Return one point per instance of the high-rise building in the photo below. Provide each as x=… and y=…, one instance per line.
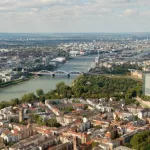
x=146, y=84
x=47, y=60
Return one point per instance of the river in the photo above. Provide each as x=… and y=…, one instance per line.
x=47, y=83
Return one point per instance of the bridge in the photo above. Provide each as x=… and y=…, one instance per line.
x=57, y=72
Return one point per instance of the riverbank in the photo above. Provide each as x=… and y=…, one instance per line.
x=14, y=82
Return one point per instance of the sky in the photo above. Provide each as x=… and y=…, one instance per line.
x=48, y=16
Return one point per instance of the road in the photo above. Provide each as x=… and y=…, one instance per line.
x=142, y=102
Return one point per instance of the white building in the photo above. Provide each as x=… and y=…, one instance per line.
x=60, y=59
x=144, y=114
x=74, y=53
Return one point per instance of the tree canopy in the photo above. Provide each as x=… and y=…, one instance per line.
x=39, y=92
x=28, y=97
x=117, y=69
x=49, y=122
x=102, y=86
x=87, y=86
x=141, y=141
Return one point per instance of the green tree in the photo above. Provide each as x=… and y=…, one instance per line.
x=95, y=144
x=4, y=104
x=62, y=89
x=28, y=97
x=127, y=144
x=141, y=140
x=103, y=86
x=98, y=127
x=14, y=102
x=147, y=147
x=39, y=92
x=117, y=118
x=42, y=98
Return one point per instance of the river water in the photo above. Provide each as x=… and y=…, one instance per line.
x=47, y=83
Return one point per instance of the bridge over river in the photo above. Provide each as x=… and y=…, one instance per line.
x=57, y=72
x=74, y=67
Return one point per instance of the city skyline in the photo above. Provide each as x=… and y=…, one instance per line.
x=70, y=16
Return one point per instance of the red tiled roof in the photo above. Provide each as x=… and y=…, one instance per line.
x=78, y=104
x=89, y=142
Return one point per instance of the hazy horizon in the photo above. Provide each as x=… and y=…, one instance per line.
x=148, y=32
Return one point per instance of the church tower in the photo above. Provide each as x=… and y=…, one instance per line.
x=21, y=115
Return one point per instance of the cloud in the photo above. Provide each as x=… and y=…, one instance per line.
x=71, y=15
x=129, y=12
